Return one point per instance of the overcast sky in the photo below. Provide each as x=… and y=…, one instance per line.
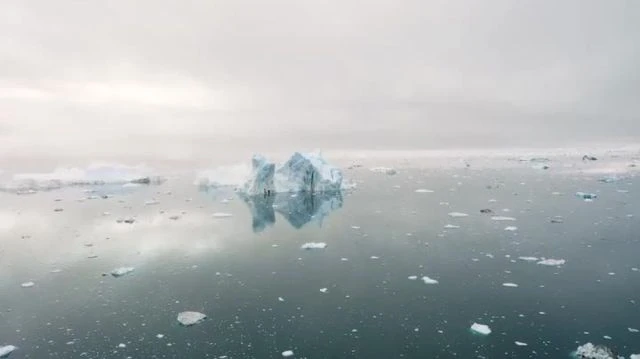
x=185, y=79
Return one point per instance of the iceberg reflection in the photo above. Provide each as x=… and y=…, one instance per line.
x=298, y=209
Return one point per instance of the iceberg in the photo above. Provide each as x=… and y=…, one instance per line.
x=190, y=318
x=301, y=173
x=590, y=351
x=6, y=350
x=480, y=329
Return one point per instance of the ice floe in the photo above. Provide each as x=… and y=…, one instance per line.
x=324, y=290
x=6, y=350
x=529, y=259
x=314, y=245
x=586, y=196
x=481, y=329
x=413, y=277
x=422, y=190
x=458, y=214
x=428, y=280
x=521, y=344
x=552, y=262
x=222, y=215
x=27, y=284
x=385, y=170
x=191, y=318
x=590, y=351
x=502, y=218
x=510, y=285
x=287, y=353
x=511, y=228
x=122, y=271
x=451, y=226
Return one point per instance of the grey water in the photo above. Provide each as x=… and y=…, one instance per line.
x=262, y=293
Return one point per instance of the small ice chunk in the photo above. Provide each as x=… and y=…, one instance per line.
x=375, y=257
x=422, y=190
x=314, y=245
x=152, y=202
x=385, y=170
x=122, y=345
x=632, y=330
x=458, y=214
x=191, y=318
x=451, y=226
x=355, y=227
x=122, y=271
x=552, y=262
x=590, y=351
x=511, y=228
x=428, y=280
x=280, y=299
x=521, y=344
x=480, y=329
x=6, y=350
x=634, y=356
x=510, y=285
x=159, y=336
x=222, y=215
x=27, y=284
x=413, y=277
x=324, y=290
x=635, y=269
x=586, y=196
x=502, y=218
x=287, y=353
x=529, y=259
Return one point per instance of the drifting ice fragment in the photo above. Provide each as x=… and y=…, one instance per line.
x=324, y=290
x=632, y=330
x=480, y=329
x=385, y=170
x=6, y=350
x=511, y=229
x=413, y=277
x=458, y=214
x=190, y=318
x=222, y=215
x=586, y=196
x=510, y=285
x=313, y=245
x=428, y=280
x=422, y=190
x=27, y=284
x=552, y=262
x=502, y=218
x=529, y=259
x=590, y=351
x=521, y=344
x=451, y=226
x=287, y=353
x=122, y=271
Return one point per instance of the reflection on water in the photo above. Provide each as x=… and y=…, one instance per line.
x=298, y=209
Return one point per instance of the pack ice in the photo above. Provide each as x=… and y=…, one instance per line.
x=301, y=173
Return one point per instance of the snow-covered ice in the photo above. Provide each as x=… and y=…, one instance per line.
x=458, y=214
x=590, y=351
x=481, y=329
x=428, y=280
x=122, y=271
x=552, y=262
x=502, y=218
x=287, y=353
x=314, y=245
x=190, y=318
x=222, y=215
x=6, y=350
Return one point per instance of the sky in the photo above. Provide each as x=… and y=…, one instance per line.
x=215, y=80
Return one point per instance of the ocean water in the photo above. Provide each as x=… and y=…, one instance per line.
x=261, y=292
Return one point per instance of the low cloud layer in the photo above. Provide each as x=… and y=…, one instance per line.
x=201, y=79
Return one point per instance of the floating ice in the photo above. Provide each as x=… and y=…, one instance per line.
x=6, y=350
x=521, y=344
x=511, y=228
x=122, y=271
x=634, y=356
x=529, y=259
x=190, y=318
x=314, y=245
x=451, y=226
x=324, y=290
x=27, y=284
x=222, y=215
x=422, y=190
x=510, y=285
x=552, y=262
x=428, y=280
x=590, y=351
x=502, y=218
x=386, y=170
x=413, y=277
x=586, y=196
x=458, y=214
x=480, y=329
x=287, y=353
x=301, y=173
